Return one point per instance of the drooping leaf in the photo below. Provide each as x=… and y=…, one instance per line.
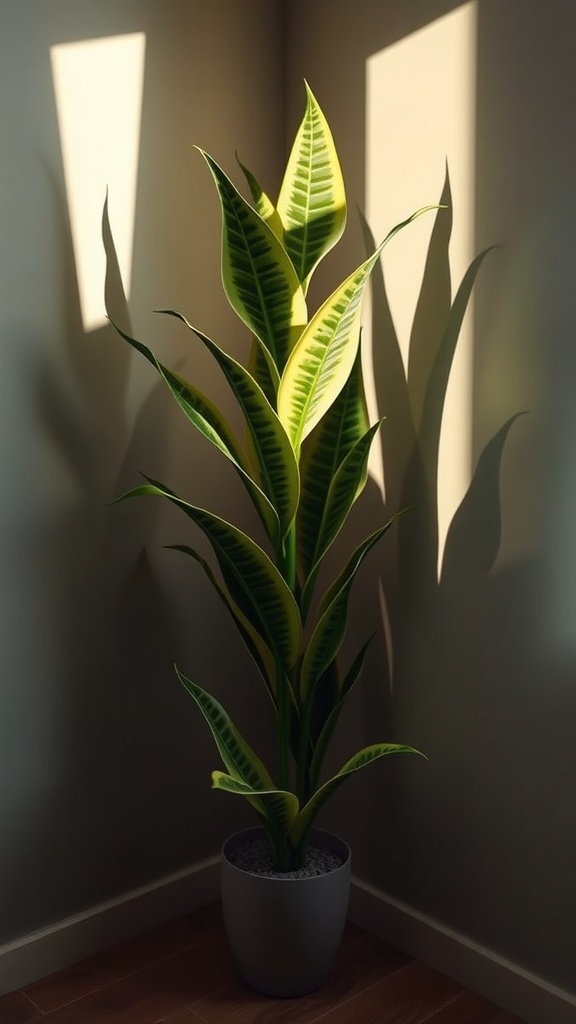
x=360, y=760
x=277, y=466
x=323, y=451
x=321, y=360
x=254, y=642
x=276, y=805
x=258, y=276
x=312, y=200
x=240, y=760
x=252, y=579
x=208, y=420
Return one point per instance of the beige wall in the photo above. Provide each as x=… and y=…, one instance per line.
x=105, y=778
x=105, y=764
x=483, y=838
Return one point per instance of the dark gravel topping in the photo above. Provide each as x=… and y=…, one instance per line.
x=255, y=857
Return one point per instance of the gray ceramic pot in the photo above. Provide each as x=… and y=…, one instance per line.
x=285, y=932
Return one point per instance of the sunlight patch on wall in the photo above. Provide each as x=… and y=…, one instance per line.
x=98, y=85
x=420, y=112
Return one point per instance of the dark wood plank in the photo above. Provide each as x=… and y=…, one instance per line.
x=183, y=973
x=506, y=1018
x=150, y=995
x=182, y=1017
x=15, y=1008
x=126, y=958
x=408, y=996
x=466, y=1009
x=360, y=963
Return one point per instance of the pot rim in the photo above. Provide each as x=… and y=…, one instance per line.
x=257, y=831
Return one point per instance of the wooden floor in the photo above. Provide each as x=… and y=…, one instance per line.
x=182, y=973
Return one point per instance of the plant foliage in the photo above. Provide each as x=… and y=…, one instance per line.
x=304, y=466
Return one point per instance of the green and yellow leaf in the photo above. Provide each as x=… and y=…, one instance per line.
x=263, y=204
x=360, y=760
x=253, y=581
x=277, y=807
x=345, y=422
x=240, y=760
x=258, y=276
x=342, y=493
x=327, y=731
x=209, y=421
x=327, y=637
x=253, y=641
x=312, y=200
x=322, y=359
x=277, y=466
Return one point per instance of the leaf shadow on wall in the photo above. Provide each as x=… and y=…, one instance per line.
x=104, y=818
x=434, y=622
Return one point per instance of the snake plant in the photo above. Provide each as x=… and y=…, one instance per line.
x=303, y=461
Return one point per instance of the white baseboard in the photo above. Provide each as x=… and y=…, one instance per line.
x=480, y=969
x=34, y=956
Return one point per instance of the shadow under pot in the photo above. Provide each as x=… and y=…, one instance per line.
x=285, y=932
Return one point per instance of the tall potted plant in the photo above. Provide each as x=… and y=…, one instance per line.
x=304, y=464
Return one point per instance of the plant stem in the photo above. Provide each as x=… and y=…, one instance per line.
x=288, y=569
x=302, y=769
x=283, y=726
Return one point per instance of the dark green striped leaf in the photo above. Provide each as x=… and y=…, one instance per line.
x=253, y=641
x=277, y=466
x=277, y=807
x=323, y=451
x=208, y=420
x=252, y=579
x=239, y=758
x=327, y=731
x=327, y=637
x=342, y=493
x=259, y=279
x=360, y=760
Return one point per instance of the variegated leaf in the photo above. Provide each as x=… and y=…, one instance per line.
x=331, y=721
x=332, y=613
x=360, y=760
x=277, y=466
x=342, y=493
x=208, y=420
x=312, y=200
x=252, y=579
x=253, y=641
x=320, y=362
x=263, y=204
x=278, y=807
x=259, y=279
x=239, y=758
x=323, y=451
